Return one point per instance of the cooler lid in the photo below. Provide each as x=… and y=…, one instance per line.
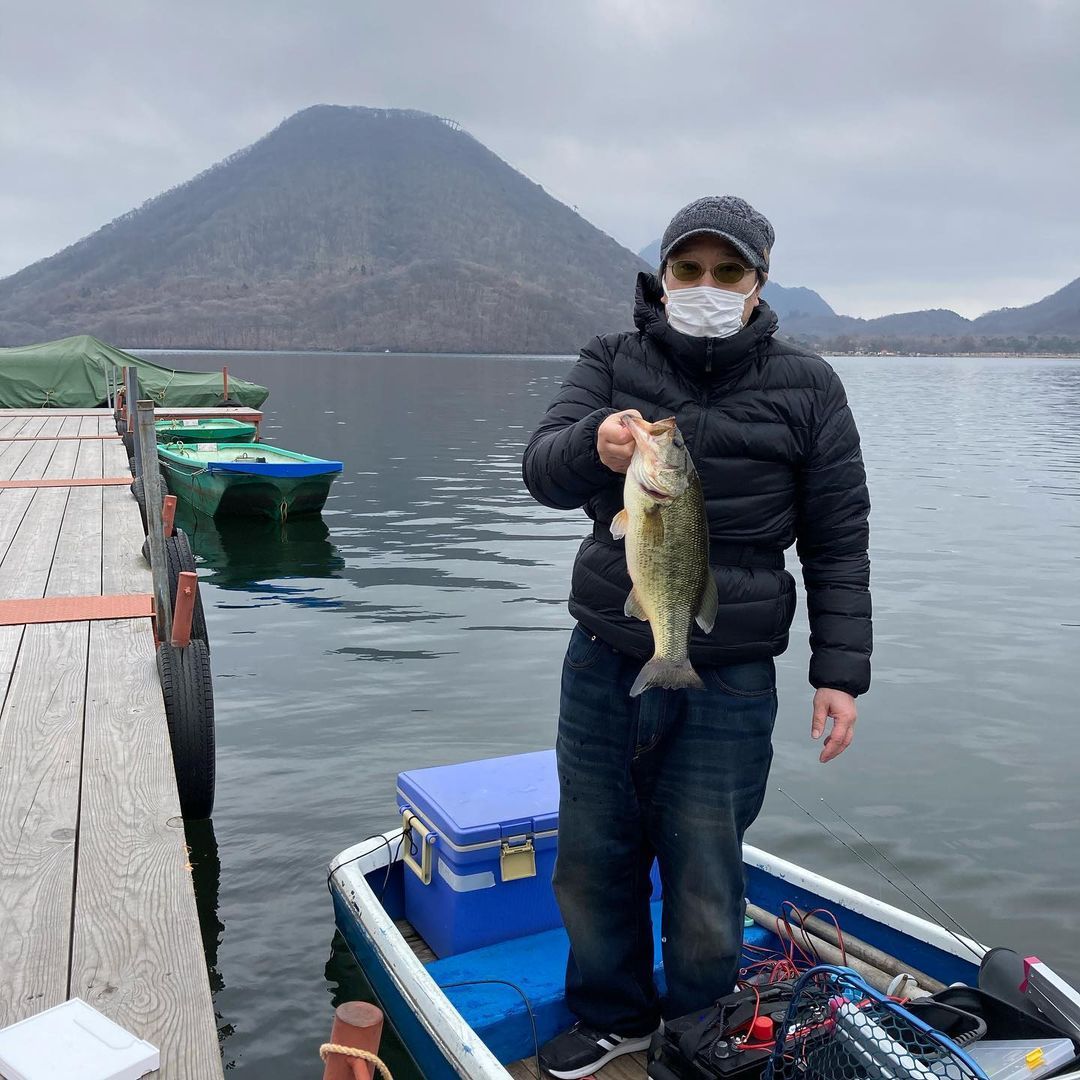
x=479, y=802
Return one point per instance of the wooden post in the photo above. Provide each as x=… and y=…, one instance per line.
x=224, y=384
x=357, y=1024
x=132, y=396
x=168, y=515
x=186, y=589
x=146, y=451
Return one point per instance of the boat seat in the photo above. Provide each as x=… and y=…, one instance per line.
x=537, y=964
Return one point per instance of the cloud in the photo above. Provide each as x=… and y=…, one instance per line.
x=916, y=155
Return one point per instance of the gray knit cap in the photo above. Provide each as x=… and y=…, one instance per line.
x=726, y=216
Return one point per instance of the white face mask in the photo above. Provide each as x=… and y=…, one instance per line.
x=704, y=311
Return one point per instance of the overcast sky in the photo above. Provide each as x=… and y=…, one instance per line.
x=910, y=155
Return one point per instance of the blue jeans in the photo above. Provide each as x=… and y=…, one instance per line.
x=673, y=774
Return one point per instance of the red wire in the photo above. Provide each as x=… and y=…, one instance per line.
x=836, y=923
x=757, y=1009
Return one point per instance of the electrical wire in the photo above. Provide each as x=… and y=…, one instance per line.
x=391, y=858
x=524, y=997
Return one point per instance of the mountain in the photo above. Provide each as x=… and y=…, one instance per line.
x=1058, y=313
x=796, y=302
x=344, y=228
x=938, y=322
x=651, y=254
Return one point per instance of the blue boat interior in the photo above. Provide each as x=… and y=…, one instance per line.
x=288, y=469
x=494, y=987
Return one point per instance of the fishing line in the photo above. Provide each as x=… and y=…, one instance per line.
x=881, y=855
x=884, y=877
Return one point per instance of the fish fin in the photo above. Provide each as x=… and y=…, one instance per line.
x=620, y=523
x=670, y=674
x=706, y=614
x=653, y=526
x=633, y=609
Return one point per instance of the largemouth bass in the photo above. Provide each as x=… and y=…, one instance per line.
x=667, y=551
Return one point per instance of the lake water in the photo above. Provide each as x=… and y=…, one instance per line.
x=423, y=621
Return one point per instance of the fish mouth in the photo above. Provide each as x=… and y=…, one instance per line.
x=644, y=432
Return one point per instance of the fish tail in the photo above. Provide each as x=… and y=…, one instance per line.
x=670, y=674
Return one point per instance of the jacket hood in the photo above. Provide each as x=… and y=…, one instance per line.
x=701, y=356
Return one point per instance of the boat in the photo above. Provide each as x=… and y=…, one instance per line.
x=246, y=479
x=482, y=1013
x=217, y=429
x=82, y=372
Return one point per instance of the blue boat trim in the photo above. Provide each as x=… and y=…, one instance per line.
x=288, y=470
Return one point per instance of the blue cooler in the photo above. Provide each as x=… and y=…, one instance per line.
x=479, y=850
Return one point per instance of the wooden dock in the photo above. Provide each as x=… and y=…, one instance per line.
x=96, y=898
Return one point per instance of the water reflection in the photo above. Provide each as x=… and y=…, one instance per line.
x=241, y=551
x=206, y=878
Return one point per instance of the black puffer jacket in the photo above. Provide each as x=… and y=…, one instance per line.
x=773, y=439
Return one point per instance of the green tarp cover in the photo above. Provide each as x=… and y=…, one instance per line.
x=71, y=374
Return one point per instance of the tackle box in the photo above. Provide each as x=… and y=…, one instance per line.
x=1006, y=1022
x=479, y=849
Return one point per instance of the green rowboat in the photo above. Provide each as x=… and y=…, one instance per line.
x=216, y=429
x=246, y=479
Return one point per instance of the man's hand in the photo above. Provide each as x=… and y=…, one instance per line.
x=841, y=707
x=614, y=443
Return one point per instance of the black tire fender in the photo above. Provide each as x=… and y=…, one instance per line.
x=178, y=557
x=140, y=498
x=188, y=691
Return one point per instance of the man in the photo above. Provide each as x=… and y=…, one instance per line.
x=680, y=774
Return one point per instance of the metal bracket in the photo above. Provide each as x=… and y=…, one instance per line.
x=421, y=869
x=517, y=861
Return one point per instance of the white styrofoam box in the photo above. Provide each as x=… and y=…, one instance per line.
x=73, y=1040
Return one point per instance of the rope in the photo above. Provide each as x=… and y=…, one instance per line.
x=351, y=1051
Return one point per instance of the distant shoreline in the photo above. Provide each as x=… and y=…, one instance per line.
x=137, y=350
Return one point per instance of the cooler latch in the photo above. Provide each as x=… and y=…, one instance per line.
x=517, y=858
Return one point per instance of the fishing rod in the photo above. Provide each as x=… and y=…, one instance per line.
x=881, y=855
x=884, y=877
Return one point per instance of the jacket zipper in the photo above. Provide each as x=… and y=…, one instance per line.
x=705, y=395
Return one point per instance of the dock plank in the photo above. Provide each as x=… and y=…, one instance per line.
x=137, y=953
x=76, y=567
x=40, y=751
x=13, y=453
x=115, y=461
